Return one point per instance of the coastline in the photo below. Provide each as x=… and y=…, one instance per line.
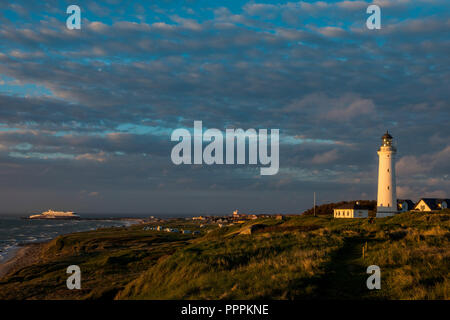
x=25, y=255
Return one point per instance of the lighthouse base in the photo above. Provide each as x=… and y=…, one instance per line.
x=383, y=212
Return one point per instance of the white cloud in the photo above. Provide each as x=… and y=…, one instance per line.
x=326, y=157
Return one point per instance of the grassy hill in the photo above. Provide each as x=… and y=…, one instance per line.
x=302, y=257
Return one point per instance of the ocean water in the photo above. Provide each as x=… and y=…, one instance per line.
x=15, y=231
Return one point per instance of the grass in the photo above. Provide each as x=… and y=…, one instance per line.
x=243, y=267
x=415, y=260
x=303, y=257
x=108, y=259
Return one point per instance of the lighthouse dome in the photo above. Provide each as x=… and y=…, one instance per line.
x=386, y=136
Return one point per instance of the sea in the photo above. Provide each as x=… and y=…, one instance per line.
x=15, y=231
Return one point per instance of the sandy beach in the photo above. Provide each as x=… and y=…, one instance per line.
x=25, y=256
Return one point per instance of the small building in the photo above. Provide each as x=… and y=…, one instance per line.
x=404, y=205
x=186, y=231
x=351, y=210
x=432, y=204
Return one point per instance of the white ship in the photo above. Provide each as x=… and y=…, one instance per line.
x=50, y=214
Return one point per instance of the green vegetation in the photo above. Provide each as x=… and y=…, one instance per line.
x=302, y=257
x=327, y=208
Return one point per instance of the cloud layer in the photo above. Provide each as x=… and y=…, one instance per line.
x=86, y=115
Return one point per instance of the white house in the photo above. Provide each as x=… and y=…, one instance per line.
x=351, y=210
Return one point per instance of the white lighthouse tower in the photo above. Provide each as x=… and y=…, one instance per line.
x=387, y=197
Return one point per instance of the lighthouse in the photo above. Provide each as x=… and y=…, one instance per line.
x=387, y=197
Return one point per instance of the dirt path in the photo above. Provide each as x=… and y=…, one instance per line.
x=345, y=276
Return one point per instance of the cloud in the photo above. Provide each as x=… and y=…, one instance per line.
x=416, y=165
x=98, y=26
x=346, y=107
x=326, y=157
x=332, y=31
x=99, y=157
x=353, y=5
x=355, y=109
x=409, y=165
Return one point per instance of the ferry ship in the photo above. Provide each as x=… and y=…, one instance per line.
x=50, y=214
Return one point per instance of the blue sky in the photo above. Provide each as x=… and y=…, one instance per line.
x=86, y=115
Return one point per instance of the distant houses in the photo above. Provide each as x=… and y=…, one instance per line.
x=225, y=221
x=172, y=230
x=237, y=215
x=208, y=221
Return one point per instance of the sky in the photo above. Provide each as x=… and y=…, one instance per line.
x=86, y=115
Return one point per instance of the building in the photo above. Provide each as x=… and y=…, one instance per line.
x=432, y=204
x=351, y=210
x=387, y=198
x=405, y=205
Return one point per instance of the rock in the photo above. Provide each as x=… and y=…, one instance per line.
x=251, y=229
